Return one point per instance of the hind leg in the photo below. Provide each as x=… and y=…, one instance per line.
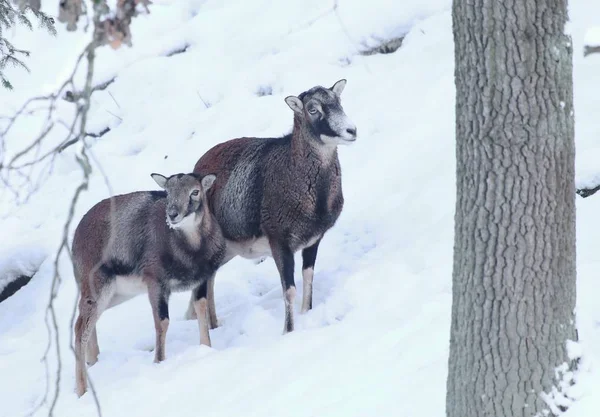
x=93, y=350
x=84, y=327
x=213, y=322
x=92, y=303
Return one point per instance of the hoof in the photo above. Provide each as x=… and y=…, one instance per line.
x=80, y=391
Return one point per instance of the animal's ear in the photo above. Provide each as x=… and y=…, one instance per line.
x=208, y=181
x=339, y=87
x=295, y=104
x=161, y=180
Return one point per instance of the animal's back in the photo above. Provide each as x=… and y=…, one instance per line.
x=236, y=198
x=125, y=215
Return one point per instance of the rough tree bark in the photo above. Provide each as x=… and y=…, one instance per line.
x=514, y=249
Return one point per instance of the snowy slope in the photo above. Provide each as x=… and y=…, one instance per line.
x=377, y=338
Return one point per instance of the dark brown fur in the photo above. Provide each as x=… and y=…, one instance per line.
x=124, y=245
x=287, y=190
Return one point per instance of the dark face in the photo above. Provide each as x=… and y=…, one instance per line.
x=322, y=109
x=185, y=195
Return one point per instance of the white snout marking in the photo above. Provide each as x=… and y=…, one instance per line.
x=340, y=124
x=337, y=140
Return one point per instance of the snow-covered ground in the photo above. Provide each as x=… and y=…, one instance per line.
x=377, y=339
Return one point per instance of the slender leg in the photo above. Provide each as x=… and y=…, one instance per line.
x=159, y=300
x=284, y=259
x=88, y=316
x=212, y=309
x=190, y=313
x=93, y=350
x=201, y=307
x=309, y=256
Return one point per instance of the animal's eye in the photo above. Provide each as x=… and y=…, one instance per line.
x=195, y=192
x=312, y=110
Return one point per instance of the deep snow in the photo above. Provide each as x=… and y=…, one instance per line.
x=377, y=339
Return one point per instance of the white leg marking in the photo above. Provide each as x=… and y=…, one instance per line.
x=161, y=336
x=92, y=349
x=307, y=286
x=289, y=296
x=201, y=307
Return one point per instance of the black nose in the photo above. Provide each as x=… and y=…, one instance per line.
x=172, y=214
x=352, y=131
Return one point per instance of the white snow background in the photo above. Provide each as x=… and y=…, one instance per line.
x=376, y=341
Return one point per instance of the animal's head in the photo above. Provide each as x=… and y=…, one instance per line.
x=322, y=111
x=186, y=196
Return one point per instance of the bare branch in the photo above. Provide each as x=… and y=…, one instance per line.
x=588, y=50
x=72, y=97
x=586, y=192
x=41, y=152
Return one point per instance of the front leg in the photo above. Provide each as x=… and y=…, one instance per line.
x=309, y=256
x=190, y=314
x=284, y=259
x=159, y=300
x=201, y=308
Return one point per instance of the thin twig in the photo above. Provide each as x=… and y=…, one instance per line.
x=32, y=150
x=114, y=115
x=79, y=125
x=41, y=153
x=206, y=105
x=113, y=97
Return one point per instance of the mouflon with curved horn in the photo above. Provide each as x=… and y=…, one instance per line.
x=276, y=196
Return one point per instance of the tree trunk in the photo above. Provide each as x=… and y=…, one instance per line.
x=514, y=249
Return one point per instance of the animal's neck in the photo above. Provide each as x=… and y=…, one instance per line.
x=192, y=228
x=306, y=146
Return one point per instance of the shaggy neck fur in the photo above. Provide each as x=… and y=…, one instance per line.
x=305, y=144
x=195, y=227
